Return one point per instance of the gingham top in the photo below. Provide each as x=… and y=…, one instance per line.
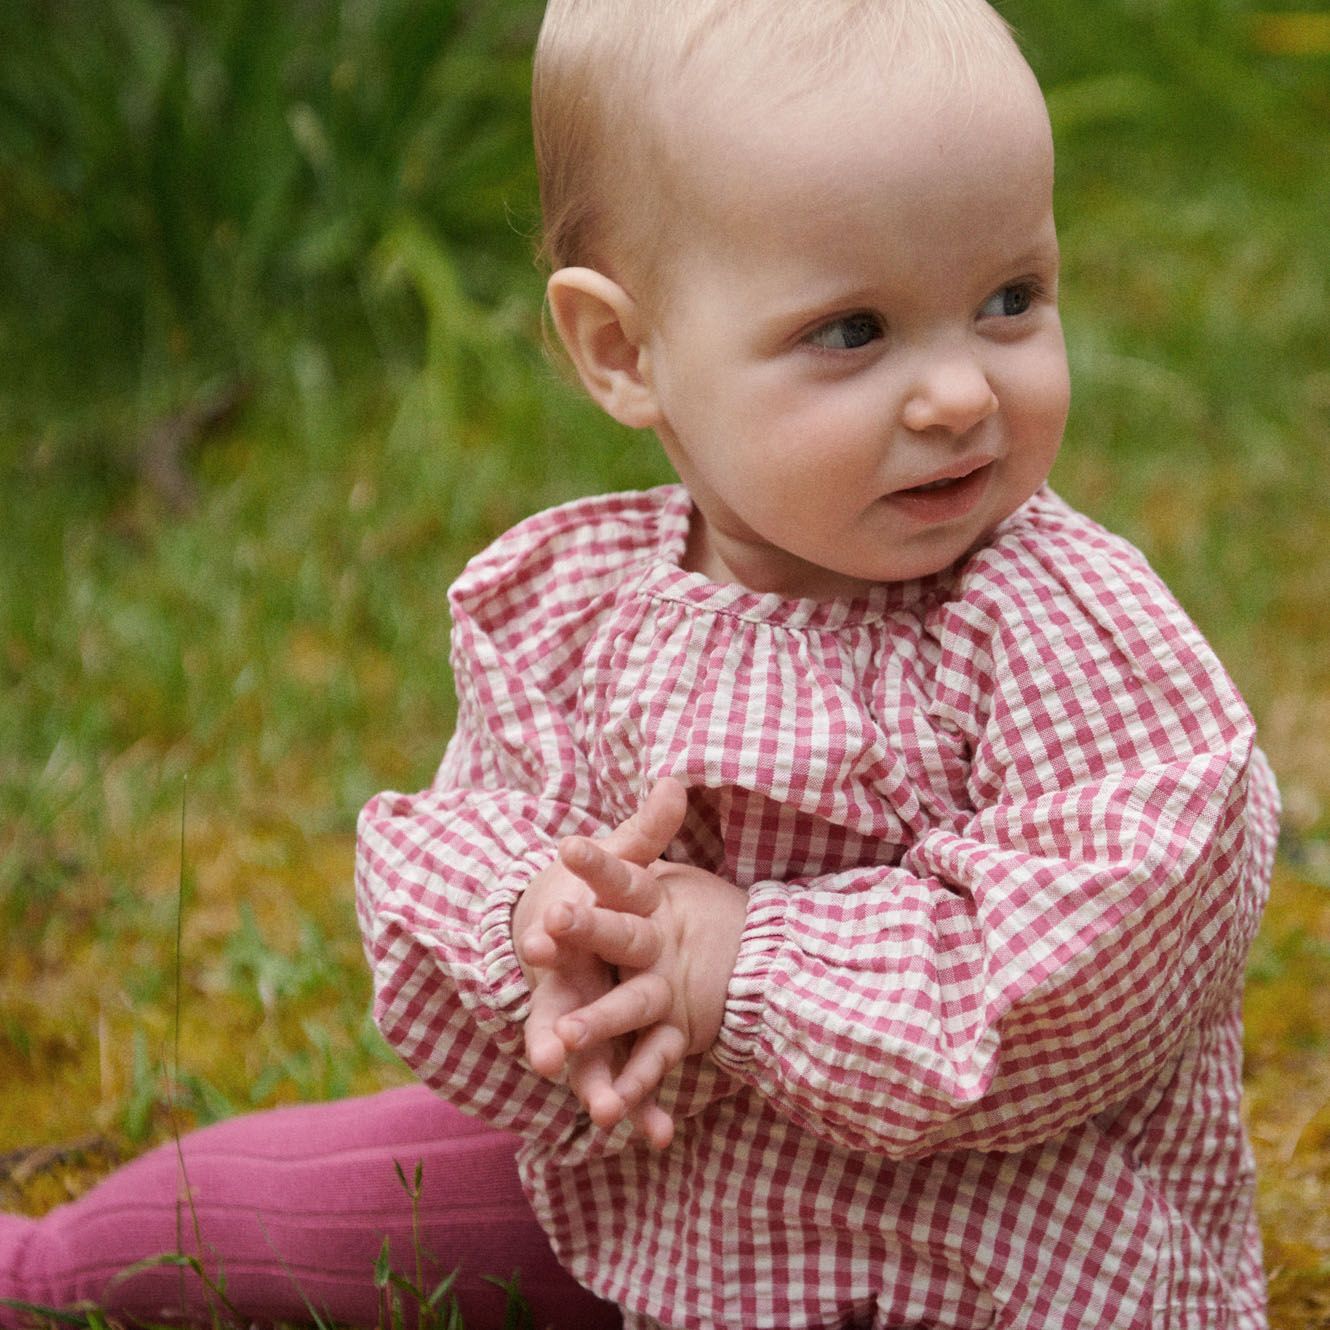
x=1006, y=838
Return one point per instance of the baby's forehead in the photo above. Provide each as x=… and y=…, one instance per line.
x=734, y=70
x=740, y=95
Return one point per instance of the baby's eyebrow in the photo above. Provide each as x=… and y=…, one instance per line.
x=1043, y=253
x=817, y=307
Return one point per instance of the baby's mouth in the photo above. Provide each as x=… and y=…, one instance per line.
x=932, y=485
x=946, y=498
x=961, y=476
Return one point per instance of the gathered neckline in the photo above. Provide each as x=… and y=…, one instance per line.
x=665, y=578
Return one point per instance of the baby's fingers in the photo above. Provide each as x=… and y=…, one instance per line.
x=654, y=1124
x=558, y=994
x=618, y=884
x=545, y=1050
x=632, y=1005
x=654, y=1056
x=538, y=949
x=591, y=1079
x=647, y=834
x=617, y=939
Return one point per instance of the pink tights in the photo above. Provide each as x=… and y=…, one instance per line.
x=293, y=1206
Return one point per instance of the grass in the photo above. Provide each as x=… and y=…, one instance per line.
x=323, y=216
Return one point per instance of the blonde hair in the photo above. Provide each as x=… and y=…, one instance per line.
x=602, y=68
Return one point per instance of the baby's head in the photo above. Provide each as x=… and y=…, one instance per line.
x=810, y=243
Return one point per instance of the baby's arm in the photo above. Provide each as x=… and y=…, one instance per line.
x=440, y=875
x=984, y=994
x=1053, y=948
x=437, y=876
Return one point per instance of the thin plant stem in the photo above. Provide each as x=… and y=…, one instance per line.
x=215, y=1288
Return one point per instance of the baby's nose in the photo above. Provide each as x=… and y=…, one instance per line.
x=950, y=393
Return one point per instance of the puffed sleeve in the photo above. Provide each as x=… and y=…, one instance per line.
x=1053, y=946
x=438, y=873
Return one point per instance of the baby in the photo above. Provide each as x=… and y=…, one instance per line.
x=841, y=875
x=842, y=872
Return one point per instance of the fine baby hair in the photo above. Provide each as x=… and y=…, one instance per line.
x=605, y=72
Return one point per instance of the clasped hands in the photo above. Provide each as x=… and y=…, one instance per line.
x=629, y=958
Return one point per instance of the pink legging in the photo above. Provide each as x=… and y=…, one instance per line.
x=292, y=1207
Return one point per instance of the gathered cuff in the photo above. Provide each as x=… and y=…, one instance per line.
x=755, y=971
x=507, y=993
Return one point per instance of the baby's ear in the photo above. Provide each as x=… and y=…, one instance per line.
x=600, y=327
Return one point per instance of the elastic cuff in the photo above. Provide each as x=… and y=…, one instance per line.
x=754, y=972
x=506, y=987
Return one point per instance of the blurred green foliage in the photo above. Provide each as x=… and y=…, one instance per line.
x=191, y=191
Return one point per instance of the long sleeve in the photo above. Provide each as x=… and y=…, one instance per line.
x=1049, y=949
x=435, y=891
x=438, y=873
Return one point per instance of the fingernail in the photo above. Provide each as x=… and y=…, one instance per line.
x=578, y=1032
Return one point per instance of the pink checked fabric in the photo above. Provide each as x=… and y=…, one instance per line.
x=1006, y=839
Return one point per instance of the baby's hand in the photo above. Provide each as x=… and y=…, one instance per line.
x=565, y=976
x=674, y=931
x=559, y=979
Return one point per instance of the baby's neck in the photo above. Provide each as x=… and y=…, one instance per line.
x=741, y=559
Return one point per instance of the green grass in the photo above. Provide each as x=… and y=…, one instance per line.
x=327, y=207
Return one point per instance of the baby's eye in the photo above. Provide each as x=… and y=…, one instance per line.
x=1010, y=302
x=846, y=334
